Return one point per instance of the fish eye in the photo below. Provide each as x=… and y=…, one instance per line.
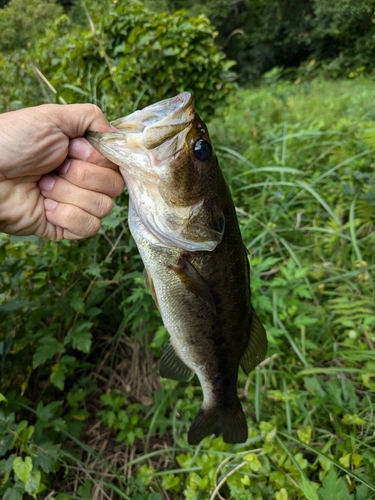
x=202, y=150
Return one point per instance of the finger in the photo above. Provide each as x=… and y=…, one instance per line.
x=75, y=119
x=89, y=176
x=63, y=191
x=57, y=233
x=72, y=219
x=81, y=149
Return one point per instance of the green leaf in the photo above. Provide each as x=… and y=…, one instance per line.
x=282, y=494
x=14, y=305
x=80, y=337
x=23, y=468
x=305, y=434
x=57, y=376
x=302, y=320
x=3, y=398
x=49, y=411
x=334, y=487
x=253, y=461
x=48, y=457
x=6, y=442
x=12, y=494
x=33, y=483
x=78, y=304
x=353, y=420
x=362, y=492
x=82, y=341
x=308, y=489
x=49, y=346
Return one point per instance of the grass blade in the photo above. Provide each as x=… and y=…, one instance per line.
x=349, y=472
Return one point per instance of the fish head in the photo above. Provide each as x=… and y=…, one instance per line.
x=171, y=171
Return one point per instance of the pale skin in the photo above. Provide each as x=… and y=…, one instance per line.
x=53, y=183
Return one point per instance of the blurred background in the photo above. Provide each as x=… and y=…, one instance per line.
x=287, y=90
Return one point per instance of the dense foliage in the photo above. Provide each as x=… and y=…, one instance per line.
x=83, y=412
x=122, y=57
x=21, y=22
x=303, y=37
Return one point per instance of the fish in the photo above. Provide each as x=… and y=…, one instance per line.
x=183, y=220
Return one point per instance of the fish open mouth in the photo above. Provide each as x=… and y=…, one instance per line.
x=148, y=136
x=159, y=122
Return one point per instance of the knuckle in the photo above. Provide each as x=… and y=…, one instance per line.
x=118, y=185
x=115, y=184
x=94, y=109
x=71, y=215
x=105, y=205
x=80, y=222
x=92, y=227
x=81, y=174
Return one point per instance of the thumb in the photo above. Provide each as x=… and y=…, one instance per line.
x=74, y=120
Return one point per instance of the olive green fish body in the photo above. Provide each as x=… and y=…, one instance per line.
x=183, y=220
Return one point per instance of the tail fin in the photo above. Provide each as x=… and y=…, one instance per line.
x=232, y=425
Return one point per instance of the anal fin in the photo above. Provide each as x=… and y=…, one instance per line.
x=194, y=282
x=256, y=349
x=171, y=366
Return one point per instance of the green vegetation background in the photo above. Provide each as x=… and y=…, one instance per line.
x=83, y=412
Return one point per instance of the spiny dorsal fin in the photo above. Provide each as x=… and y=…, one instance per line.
x=194, y=282
x=149, y=284
x=171, y=366
x=256, y=349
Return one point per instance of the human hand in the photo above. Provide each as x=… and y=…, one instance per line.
x=53, y=183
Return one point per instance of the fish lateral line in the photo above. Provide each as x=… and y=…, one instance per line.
x=193, y=281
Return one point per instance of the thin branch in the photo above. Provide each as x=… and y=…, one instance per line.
x=48, y=83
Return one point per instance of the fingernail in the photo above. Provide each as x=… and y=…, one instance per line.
x=79, y=148
x=114, y=128
x=50, y=205
x=64, y=167
x=46, y=183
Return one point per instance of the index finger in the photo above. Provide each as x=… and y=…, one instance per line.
x=81, y=149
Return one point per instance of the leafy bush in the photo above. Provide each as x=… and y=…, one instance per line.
x=320, y=38
x=124, y=58
x=22, y=23
x=132, y=57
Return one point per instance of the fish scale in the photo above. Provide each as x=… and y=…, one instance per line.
x=183, y=220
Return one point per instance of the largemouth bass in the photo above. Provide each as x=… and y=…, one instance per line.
x=184, y=223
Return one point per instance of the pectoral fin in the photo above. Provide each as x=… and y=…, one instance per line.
x=257, y=347
x=149, y=284
x=171, y=366
x=194, y=282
